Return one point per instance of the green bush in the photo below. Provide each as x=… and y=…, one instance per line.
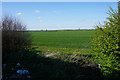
x=106, y=45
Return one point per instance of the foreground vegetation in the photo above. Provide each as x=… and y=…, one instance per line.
x=60, y=66
x=107, y=45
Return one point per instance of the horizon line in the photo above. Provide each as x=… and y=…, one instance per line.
x=55, y=29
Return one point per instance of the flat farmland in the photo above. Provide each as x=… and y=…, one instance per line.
x=77, y=41
x=64, y=39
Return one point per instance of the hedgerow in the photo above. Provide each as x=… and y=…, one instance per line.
x=106, y=45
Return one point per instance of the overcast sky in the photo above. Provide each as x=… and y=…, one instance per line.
x=59, y=15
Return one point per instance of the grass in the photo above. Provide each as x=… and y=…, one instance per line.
x=64, y=39
x=63, y=42
x=47, y=50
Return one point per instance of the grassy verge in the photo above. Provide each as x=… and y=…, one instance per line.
x=46, y=49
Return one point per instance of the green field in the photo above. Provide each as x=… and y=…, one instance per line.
x=63, y=41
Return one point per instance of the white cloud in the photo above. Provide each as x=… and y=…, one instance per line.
x=39, y=17
x=37, y=11
x=54, y=11
x=19, y=13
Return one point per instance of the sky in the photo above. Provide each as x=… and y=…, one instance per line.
x=58, y=15
x=60, y=0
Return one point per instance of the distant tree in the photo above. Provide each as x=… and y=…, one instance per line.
x=106, y=45
x=14, y=37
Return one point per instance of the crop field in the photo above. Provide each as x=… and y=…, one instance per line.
x=63, y=41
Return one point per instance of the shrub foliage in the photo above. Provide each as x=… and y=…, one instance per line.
x=107, y=45
x=14, y=37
